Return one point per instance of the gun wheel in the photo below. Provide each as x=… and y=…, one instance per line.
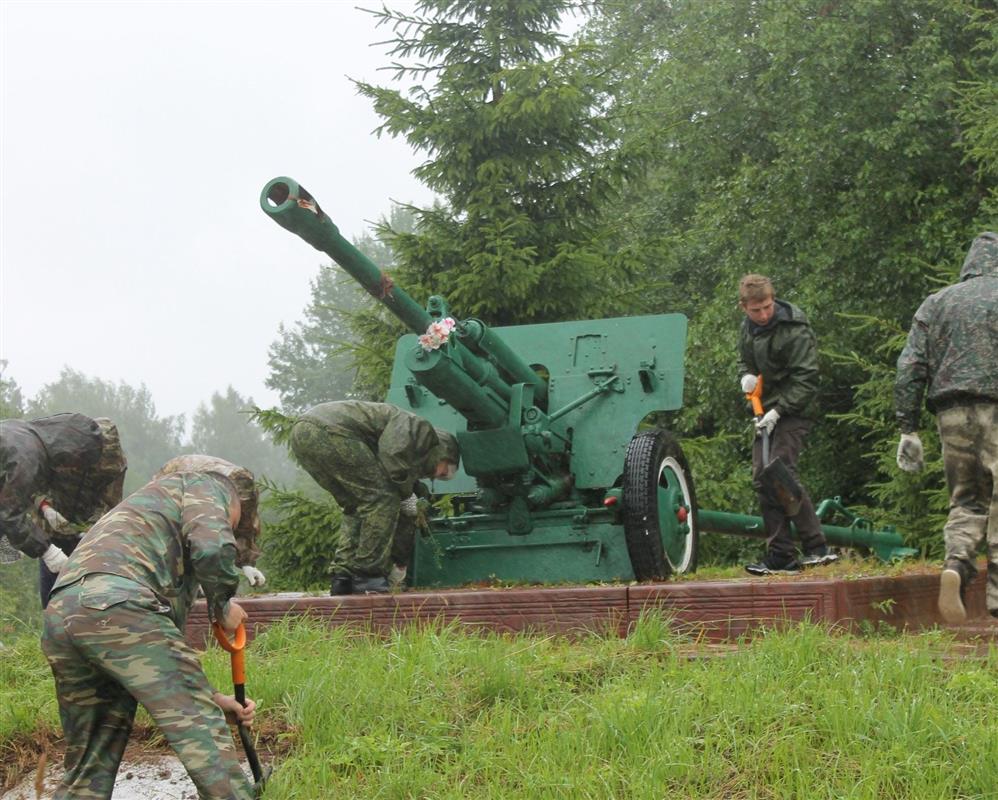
x=660, y=519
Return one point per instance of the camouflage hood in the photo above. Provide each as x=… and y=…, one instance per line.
x=248, y=529
x=86, y=462
x=71, y=441
x=448, y=447
x=982, y=258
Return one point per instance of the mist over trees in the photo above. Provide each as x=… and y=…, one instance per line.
x=220, y=427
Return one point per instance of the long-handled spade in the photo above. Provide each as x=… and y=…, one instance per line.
x=775, y=477
x=236, y=648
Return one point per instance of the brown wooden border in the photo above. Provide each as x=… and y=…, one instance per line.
x=715, y=611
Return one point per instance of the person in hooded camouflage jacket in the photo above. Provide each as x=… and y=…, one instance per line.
x=776, y=345
x=58, y=475
x=369, y=457
x=951, y=360
x=114, y=633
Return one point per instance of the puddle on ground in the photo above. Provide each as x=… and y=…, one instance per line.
x=151, y=778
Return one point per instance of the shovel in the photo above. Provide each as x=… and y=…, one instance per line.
x=236, y=648
x=775, y=478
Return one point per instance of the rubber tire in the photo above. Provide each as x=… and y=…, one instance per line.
x=647, y=454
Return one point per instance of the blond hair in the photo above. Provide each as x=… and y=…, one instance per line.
x=754, y=287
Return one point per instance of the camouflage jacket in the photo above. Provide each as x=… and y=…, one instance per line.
x=47, y=455
x=786, y=355
x=951, y=356
x=172, y=535
x=406, y=445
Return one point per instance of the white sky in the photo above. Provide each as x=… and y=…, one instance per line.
x=136, y=137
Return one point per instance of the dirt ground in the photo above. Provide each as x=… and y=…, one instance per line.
x=150, y=778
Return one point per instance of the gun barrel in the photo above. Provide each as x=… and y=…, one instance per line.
x=289, y=204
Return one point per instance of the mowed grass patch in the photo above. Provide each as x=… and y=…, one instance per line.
x=438, y=712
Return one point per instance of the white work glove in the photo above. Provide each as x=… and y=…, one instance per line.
x=409, y=505
x=254, y=576
x=910, y=453
x=749, y=382
x=768, y=421
x=396, y=577
x=54, y=559
x=56, y=521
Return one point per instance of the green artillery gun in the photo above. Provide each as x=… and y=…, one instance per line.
x=557, y=482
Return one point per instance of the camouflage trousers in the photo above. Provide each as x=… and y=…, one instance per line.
x=111, y=644
x=969, y=436
x=373, y=533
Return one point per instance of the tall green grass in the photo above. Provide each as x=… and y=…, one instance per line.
x=437, y=712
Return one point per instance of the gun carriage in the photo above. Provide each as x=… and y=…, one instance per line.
x=558, y=483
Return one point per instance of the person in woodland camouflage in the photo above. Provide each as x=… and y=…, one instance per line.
x=776, y=342
x=58, y=475
x=369, y=457
x=114, y=627
x=951, y=360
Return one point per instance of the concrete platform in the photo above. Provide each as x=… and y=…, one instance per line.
x=714, y=611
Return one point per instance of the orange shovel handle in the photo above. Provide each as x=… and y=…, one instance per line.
x=755, y=397
x=236, y=647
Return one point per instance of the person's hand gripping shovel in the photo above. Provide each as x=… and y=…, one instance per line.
x=775, y=478
x=236, y=648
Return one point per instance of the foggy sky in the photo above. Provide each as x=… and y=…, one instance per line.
x=136, y=137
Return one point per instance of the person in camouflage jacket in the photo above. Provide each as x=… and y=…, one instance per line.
x=369, y=457
x=777, y=345
x=58, y=475
x=951, y=360
x=114, y=636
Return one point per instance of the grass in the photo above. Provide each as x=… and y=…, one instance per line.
x=437, y=712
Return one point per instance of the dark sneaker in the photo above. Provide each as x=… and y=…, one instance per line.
x=951, y=597
x=342, y=584
x=817, y=557
x=774, y=566
x=370, y=586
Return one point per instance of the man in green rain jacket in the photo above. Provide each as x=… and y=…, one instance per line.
x=777, y=345
x=369, y=457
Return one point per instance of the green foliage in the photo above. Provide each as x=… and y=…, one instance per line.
x=149, y=441
x=509, y=117
x=11, y=399
x=225, y=428
x=978, y=105
x=297, y=547
x=917, y=504
x=276, y=423
x=20, y=608
x=821, y=144
x=434, y=711
x=325, y=357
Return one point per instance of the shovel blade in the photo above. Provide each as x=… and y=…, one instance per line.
x=780, y=484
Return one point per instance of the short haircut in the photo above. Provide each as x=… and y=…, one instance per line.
x=754, y=287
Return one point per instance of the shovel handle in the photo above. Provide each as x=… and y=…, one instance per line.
x=236, y=648
x=755, y=397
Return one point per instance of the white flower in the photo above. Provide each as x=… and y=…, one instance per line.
x=437, y=334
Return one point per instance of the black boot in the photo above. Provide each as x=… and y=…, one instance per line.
x=342, y=584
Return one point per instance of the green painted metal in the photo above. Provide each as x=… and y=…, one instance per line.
x=544, y=415
x=569, y=544
x=886, y=543
x=294, y=209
